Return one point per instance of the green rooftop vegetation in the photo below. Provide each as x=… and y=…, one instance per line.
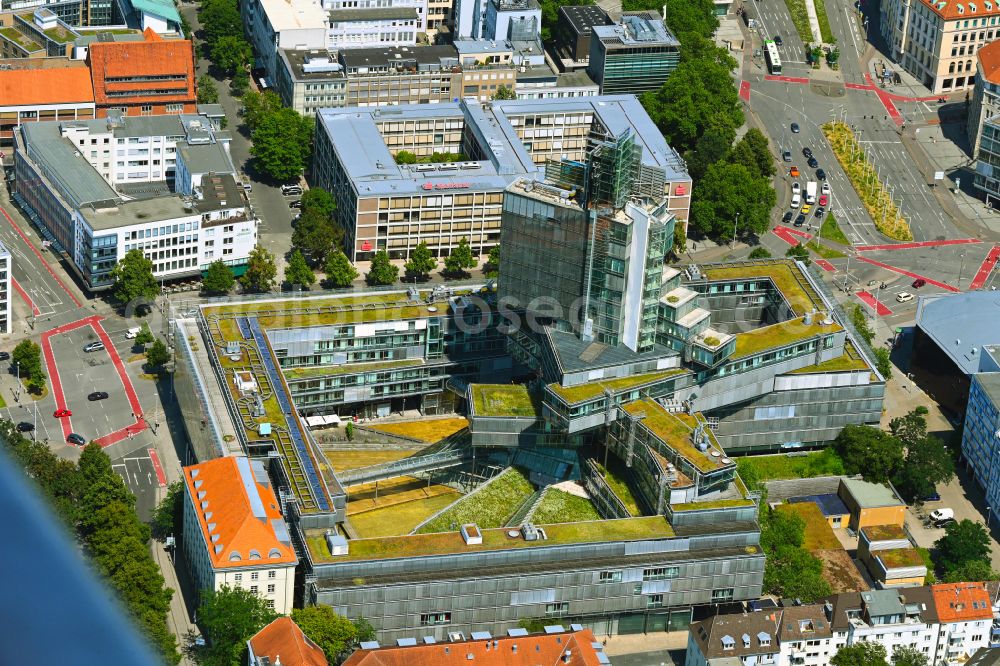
x=774, y=336
x=713, y=504
x=884, y=532
x=849, y=360
x=312, y=371
x=818, y=534
x=509, y=400
x=424, y=430
x=490, y=507
x=899, y=557
x=791, y=466
x=674, y=430
x=597, y=531
x=594, y=390
x=558, y=506
x=783, y=274
x=614, y=476
x=59, y=34
x=22, y=40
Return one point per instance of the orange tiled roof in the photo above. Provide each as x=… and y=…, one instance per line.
x=283, y=638
x=950, y=10
x=961, y=602
x=150, y=58
x=224, y=492
x=989, y=62
x=33, y=87
x=533, y=650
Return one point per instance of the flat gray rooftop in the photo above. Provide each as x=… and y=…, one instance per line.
x=394, y=55
x=636, y=29
x=582, y=18
x=990, y=382
x=374, y=14
x=140, y=211
x=63, y=166
x=205, y=157
x=961, y=324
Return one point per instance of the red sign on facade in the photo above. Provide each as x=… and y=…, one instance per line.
x=445, y=186
x=366, y=246
x=681, y=190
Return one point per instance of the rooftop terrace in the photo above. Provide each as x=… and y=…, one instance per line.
x=849, y=360
x=675, y=430
x=592, y=390
x=786, y=333
x=598, y=531
x=509, y=400
x=784, y=274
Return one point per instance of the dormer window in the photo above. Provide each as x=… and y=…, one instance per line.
x=746, y=640
x=728, y=643
x=764, y=639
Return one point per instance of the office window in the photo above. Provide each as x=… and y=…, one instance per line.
x=430, y=619
x=253, y=588
x=660, y=573
x=611, y=576
x=654, y=601
x=724, y=594
x=253, y=575
x=272, y=573
x=557, y=609
x=270, y=588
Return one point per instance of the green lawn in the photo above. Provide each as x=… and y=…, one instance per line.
x=614, y=476
x=782, y=273
x=815, y=463
x=800, y=18
x=831, y=230
x=824, y=22
x=490, y=508
x=512, y=400
x=818, y=533
x=561, y=507
x=824, y=251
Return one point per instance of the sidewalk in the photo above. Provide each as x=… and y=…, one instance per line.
x=178, y=619
x=814, y=22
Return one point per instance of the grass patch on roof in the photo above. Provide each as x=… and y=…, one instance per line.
x=558, y=506
x=884, y=532
x=900, y=557
x=59, y=34
x=308, y=372
x=818, y=533
x=342, y=460
x=425, y=430
x=511, y=400
x=614, y=476
x=491, y=507
x=783, y=274
x=400, y=518
x=675, y=431
x=593, y=390
x=774, y=336
x=796, y=466
x=714, y=504
x=597, y=531
x=19, y=38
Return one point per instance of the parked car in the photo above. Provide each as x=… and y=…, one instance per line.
x=4, y=356
x=795, y=128
x=93, y=346
x=24, y=426
x=787, y=217
x=806, y=209
x=74, y=438
x=821, y=174
x=820, y=211
x=62, y=413
x=941, y=514
x=823, y=200
x=794, y=171
x=288, y=189
x=295, y=204
x=813, y=163
x=796, y=188
x=800, y=220
x=97, y=395
x=825, y=190
x=931, y=497
x=904, y=297
x=918, y=283
x=807, y=152
x=786, y=155
x=944, y=523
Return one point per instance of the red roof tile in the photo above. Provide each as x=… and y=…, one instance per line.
x=154, y=57
x=533, y=650
x=34, y=87
x=989, y=62
x=961, y=602
x=283, y=638
x=952, y=10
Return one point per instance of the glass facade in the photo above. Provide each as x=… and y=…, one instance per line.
x=637, y=69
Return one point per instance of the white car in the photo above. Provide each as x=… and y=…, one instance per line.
x=942, y=514
x=796, y=188
x=904, y=297
x=826, y=188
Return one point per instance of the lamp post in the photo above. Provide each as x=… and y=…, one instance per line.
x=17, y=390
x=735, y=224
x=988, y=510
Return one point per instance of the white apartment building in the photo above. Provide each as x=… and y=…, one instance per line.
x=163, y=184
x=374, y=23
x=234, y=533
x=279, y=24
x=5, y=285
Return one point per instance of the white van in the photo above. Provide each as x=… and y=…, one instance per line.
x=132, y=333
x=942, y=514
x=796, y=200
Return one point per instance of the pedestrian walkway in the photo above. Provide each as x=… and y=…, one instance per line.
x=623, y=644
x=814, y=22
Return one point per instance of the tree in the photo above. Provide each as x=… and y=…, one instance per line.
x=728, y=190
x=860, y=322
x=335, y=634
x=319, y=200
x=907, y=655
x=382, y=271
x=133, y=281
x=928, y=462
x=316, y=235
x=759, y=253
x=27, y=356
x=208, y=92
x=712, y=146
x=219, y=278
x=144, y=337
x=168, y=516
x=231, y=53
x=963, y=542
x=505, y=92
x=339, y=270
x=790, y=570
x=229, y=617
x=220, y=18
x=256, y=105
x=298, y=271
x=883, y=362
x=910, y=428
x=406, y=157
x=753, y=152
x=240, y=83
x=869, y=451
x=680, y=239
x=282, y=143
x=972, y=572
x=460, y=258
x=862, y=653
x=157, y=354
x=261, y=271
x=421, y=261
x=799, y=253
x=493, y=262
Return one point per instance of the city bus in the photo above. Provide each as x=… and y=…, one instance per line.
x=772, y=57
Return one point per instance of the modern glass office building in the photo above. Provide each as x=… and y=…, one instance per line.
x=635, y=55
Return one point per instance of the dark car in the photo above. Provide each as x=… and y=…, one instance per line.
x=97, y=395
x=807, y=152
x=24, y=426
x=918, y=283
x=945, y=522
x=931, y=497
x=295, y=204
x=74, y=438
x=795, y=128
x=777, y=40
x=813, y=163
x=787, y=217
x=819, y=211
x=786, y=155
x=4, y=356
x=821, y=174
x=800, y=220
